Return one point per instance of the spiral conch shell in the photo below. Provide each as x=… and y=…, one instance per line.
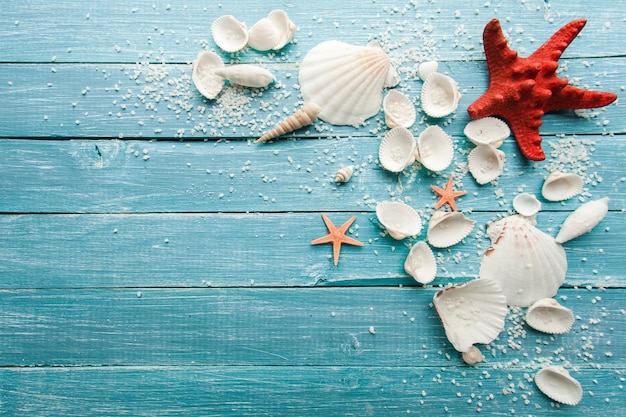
x=344, y=174
x=303, y=117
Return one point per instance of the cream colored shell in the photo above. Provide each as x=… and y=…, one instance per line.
x=271, y=32
x=485, y=163
x=526, y=204
x=583, y=219
x=548, y=316
x=487, y=131
x=397, y=150
x=559, y=385
x=473, y=356
x=435, y=149
x=398, y=109
x=420, y=263
x=447, y=228
x=440, y=95
x=426, y=68
x=229, y=34
x=344, y=174
x=399, y=219
x=246, y=75
x=305, y=116
x=203, y=74
x=560, y=186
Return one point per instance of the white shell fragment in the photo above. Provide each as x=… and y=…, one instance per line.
x=583, y=219
x=303, y=117
x=344, y=174
x=399, y=219
x=397, y=150
x=472, y=312
x=420, y=263
x=440, y=95
x=398, y=109
x=548, y=316
x=427, y=68
x=473, y=356
x=526, y=204
x=246, y=75
x=487, y=131
x=486, y=163
x=559, y=385
x=560, y=186
x=271, y=32
x=346, y=81
x=435, y=149
x=447, y=228
x=229, y=34
x=203, y=76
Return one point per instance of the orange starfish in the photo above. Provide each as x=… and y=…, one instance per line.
x=337, y=236
x=447, y=195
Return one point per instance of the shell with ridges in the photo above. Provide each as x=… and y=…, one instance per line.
x=487, y=131
x=398, y=109
x=246, y=75
x=548, y=316
x=420, y=263
x=560, y=186
x=303, y=117
x=447, y=228
x=526, y=204
x=485, y=163
x=559, y=385
x=399, y=219
x=229, y=34
x=583, y=219
x=397, y=149
x=344, y=174
x=271, y=32
x=203, y=75
x=440, y=95
x=434, y=148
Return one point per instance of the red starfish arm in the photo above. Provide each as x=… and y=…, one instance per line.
x=528, y=139
x=553, y=48
x=571, y=97
x=497, y=51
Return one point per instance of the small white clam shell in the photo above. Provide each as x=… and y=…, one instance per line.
x=526, y=204
x=487, y=131
x=398, y=109
x=272, y=32
x=548, y=316
x=434, y=149
x=246, y=75
x=559, y=385
x=420, y=263
x=473, y=356
x=397, y=149
x=344, y=174
x=560, y=186
x=486, y=163
x=440, y=95
x=447, y=228
x=229, y=34
x=203, y=76
x=427, y=68
x=583, y=219
x=399, y=219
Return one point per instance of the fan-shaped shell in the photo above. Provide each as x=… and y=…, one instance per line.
x=526, y=204
x=487, y=131
x=246, y=75
x=271, y=32
x=440, y=95
x=203, y=75
x=229, y=34
x=420, y=263
x=548, y=316
x=434, y=148
x=559, y=385
x=397, y=149
x=560, y=186
x=486, y=163
x=472, y=312
x=344, y=174
x=583, y=219
x=447, y=228
x=399, y=219
x=398, y=109
x=346, y=81
x=527, y=263
x=426, y=68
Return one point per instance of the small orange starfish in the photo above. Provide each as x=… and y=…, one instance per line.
x=337, y=236
x=447, y=195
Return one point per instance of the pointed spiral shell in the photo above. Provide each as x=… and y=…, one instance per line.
x=303, y=117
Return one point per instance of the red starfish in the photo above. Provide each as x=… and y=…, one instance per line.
x=447, y=195
x=337, y=236
x=522, y=90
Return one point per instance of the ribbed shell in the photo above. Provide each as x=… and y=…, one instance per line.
x=397, y=149
x=399, y=219
x=440, y=95
x=229, y=34
x=203, y=76
x=560, y=186
x=583, y=219
x=485, y=163
x=487, y=131
x=435, y=149
x=344, y=174
x=526, y=204
x=272, y=32
x=399, y=111
x=559, y=385
x=548, y=316
x=447, y=228
x=420, y=263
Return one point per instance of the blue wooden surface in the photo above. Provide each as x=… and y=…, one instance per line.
x=154, y=261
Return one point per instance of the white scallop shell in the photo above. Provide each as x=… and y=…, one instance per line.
x=473, y=356
x=559, y=385
x=526, y=204
x=229, y=34
x=246, y=75
x=440, y=95
x=203, y=76
x=487, y=131
x=346, y=81
x=583, y=219
x=399, y=219
x=472, y=312
x=271, y=32
x=427, y=68
x=548, y=316
x=305, y=116
x=485, y=163
x=398, y=109
x=397, y=149
x=447, y=228
x=420, y=263
x=344, y=174
x=434, y=148
x=560, y=186
x=527, y=263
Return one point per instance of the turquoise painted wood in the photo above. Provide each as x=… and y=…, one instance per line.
x=154, y=261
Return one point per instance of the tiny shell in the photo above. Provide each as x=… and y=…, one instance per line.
x=434, y=148
x=560, y=186
x=559, y=385
x=344, y=174
x=447, y=228
x=303, y=117
x=398, y=109
x=229, y=34
x=526, y=204
x=473, y=356
x=486, y=163
x=420, y=263
x=399, y=219
x=272, y=32
x=487, y=131
x=246, y=75
x=203, y=76
x=427, y=68
x=548, y=316
x=583, y=219
x=397, y=149
x=440, y=95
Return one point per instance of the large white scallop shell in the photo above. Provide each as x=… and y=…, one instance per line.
x=346, y=81
x=397, y=149
x=485, y=163
x=560, y=186
x=398, y=109
x=487, y=131
x=548, y=316
x=440, y=95
x=472, y=312
x=246, y=75
x=447, y=228
x=559, y=385
x=271, y=32
x=229, y=34
x=203, y=75
x=420, y=263
x=399, y=219
x=527, y=263
x=434, y=148
x=583, y=219
x=526, y=204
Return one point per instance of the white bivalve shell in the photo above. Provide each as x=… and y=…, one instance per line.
x=526, y=204
x=229, y=34
x=548, y=316
x=346, y=81
x=471, y=313
x=344, y=174
x=560, y=186
x=527, y=263
x=434, y=149
x=583, y=219
x=305, y=116
x=271, y=32
x=399, y=219
x=420, y=263
x=398, y=109
x=246, y=75
x=440, y=95
x=426, y=68
x=203, y=76
x=559, y=385
x=447, y=228
x=485, y=163
x=487, y=131
x=397, y=150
